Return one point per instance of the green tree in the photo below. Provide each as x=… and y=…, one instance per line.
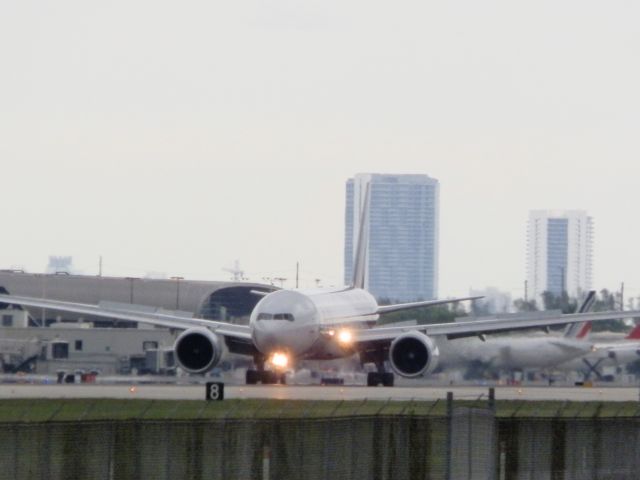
x=425, y=315
x=522, y=305
x=563, y=302
x=606, y=301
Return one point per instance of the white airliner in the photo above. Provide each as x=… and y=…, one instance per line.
x=615, y=353
x=519, y=352
x=320, y=324
x=509, y=353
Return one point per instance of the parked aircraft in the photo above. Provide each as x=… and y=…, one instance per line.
x=314, y=324
x=519, y=352
x=607, y=354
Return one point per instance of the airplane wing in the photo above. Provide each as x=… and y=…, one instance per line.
x=622, y=346
x=427, y=303
x=625, y=347
x=160, y=319
x=479, y=327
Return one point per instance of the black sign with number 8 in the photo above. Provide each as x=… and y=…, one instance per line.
x=215, y=391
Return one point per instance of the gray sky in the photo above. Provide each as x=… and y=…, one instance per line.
x=179, y=136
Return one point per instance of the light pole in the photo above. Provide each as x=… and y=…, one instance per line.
x=177, y=279
x=131, y=279
x=43, y=317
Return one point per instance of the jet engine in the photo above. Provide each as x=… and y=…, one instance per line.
x=412, y=354
x=197, y=350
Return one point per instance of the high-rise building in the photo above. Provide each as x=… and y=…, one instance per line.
x=402, y=253
x=559, y=252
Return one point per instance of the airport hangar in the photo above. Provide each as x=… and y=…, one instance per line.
x=69, y=342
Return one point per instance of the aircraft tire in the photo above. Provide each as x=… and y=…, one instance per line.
x=252, y=377
x=387, y=379
x=373, y=379
x=269, y=377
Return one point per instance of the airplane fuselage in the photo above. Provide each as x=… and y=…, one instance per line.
x=301, y=323
x=617, y=356
x=512, y=352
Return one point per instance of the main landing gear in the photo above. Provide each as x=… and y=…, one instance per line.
x=376, y=378
x=260, y=375
x=265, y=377
x=381, y=377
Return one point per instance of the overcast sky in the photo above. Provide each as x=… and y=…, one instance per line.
x=177, y=137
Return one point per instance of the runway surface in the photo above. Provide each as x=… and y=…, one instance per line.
x=317, y=392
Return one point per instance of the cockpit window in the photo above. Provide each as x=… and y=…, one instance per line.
x=277, y=316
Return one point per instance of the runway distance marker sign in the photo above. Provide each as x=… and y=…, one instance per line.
x=215, y=391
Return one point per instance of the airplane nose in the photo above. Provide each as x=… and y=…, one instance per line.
x=265, y=338
x=284, y=320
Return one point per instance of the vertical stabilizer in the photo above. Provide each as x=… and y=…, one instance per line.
x=634, y=334
x=360, y=260
x=581, y=330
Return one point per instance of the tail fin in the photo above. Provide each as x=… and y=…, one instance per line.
x=581, y=330
x=360, y=261
x=634, y=334
x=584, y=331
x=588, y=302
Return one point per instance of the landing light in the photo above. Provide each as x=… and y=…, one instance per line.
x=279, y=360
x=345, y=337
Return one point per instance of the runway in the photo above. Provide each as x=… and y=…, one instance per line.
x=317, y=392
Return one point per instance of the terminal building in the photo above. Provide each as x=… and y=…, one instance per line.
x=47, y=341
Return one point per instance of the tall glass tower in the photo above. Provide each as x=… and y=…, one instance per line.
x=559, y=252
x=402, y=254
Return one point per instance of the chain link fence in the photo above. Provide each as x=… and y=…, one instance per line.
x=350, y=448
x=322, y=440
x=381, y=447
x=569, y=448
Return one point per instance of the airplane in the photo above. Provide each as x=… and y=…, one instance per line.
x=519, y=352
x=319, y=324
x=607, y=354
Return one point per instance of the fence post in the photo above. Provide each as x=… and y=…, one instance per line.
x=266, y=462
x=492, y=399
x=449, y=434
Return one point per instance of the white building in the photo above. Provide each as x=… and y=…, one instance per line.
x=494, y=301
x=559, y=252
x=402, y=254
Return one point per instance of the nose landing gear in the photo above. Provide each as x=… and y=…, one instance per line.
x=266, y=377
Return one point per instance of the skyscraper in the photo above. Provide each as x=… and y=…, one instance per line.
x=402, y=254
x=559, y=252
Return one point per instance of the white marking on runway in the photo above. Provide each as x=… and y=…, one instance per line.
x=316, y=392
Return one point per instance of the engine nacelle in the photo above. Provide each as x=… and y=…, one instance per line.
x=197, y=350
x=412, y=354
